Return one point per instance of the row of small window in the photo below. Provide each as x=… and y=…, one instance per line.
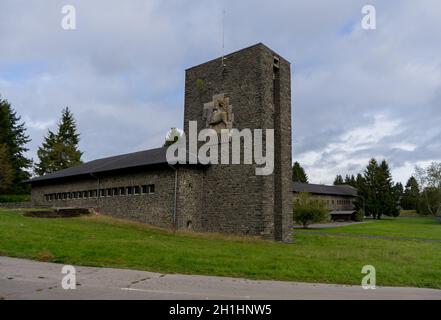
x=109, y=192
x=329, y=201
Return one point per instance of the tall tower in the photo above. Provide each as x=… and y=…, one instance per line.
x=255, y=84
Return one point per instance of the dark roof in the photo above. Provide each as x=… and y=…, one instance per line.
x=342, y=190
x=342, y=212
x=130, y=160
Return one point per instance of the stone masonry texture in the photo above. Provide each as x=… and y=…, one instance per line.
x=228, y=198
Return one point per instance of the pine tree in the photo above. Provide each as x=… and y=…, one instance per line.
x=411, y=195
x=360, y=185
x=13, y=136
x=350, y=180
x=398, y=192
x=372, y=202
x=298, y=173
x=60, y=151
x=338, y=180
x=387, y=195
x=6, y=169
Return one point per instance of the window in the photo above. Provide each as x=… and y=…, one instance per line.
x=136, y=190
x=122, y=191
x=129, y=190
x=115, y=192
x=152, y=188
x=94, y=193
x=58, y=196
x=144, y=189
x=108, y=192
x=102, y=193
x=80, y=195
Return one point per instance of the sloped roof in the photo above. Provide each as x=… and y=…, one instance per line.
x=130, y=160
x=342, y=190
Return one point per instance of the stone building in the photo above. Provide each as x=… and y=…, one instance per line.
x=338, y=199
x=248, y=89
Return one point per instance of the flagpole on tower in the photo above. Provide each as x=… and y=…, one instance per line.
x=223, y=37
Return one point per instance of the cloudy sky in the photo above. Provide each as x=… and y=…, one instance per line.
x=356, y=93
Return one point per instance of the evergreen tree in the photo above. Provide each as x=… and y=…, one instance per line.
x=398, y=192
x=387, y=195
x=411, y=195
x=350, y=180
x=60, y=151
x=298, y=173
x=381, y=196
x=371, y=189
x=6, y=170
x=360, y=185
x=13, y=137
x=338, y=180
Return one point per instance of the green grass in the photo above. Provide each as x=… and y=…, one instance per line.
x=4, y=198
x=402, y=227
x=106, y=242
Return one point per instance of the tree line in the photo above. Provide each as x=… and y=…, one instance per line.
x=58, y=151
x=378, y=195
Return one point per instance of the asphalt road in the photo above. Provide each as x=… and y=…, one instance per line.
x=24, y=279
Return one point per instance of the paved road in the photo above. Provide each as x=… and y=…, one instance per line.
x=24, y=279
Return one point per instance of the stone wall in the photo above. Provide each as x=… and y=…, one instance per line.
x=235, y=199
x=152, y=208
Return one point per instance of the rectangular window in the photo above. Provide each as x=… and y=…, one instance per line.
x=94, y=193
x=102, y=193
x=136, y=190
x=144, y=189
x=108, y=192
x=80, y=195
x=152, y=188
x=129, y=190
x=59, y=196
x=115, y=191
x=122, y=191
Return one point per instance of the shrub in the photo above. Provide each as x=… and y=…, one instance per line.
x=359, y=215
x=307, y=210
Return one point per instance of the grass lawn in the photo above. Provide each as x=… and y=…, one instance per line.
x=107, y=242
x=402, y=227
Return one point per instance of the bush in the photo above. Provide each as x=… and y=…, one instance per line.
x=359, y=215
x=307, y=210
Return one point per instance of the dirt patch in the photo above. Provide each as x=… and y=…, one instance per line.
x=44, y=256
x=57, y=213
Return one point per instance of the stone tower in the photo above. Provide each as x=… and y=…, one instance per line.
x=256, y=84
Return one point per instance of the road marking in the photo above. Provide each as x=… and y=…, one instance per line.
x=185, y=293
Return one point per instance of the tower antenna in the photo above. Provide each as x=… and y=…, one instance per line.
x=223, y=37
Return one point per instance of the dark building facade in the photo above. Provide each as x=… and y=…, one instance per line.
x=252, y=87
